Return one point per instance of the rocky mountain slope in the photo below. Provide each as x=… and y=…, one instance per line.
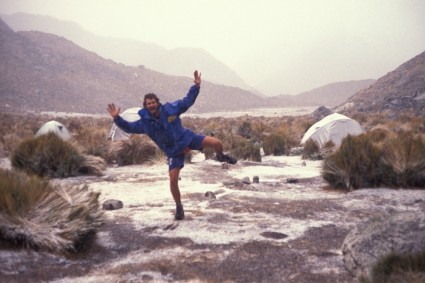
x=45, y=72
x=401, y=89
x=177, y=62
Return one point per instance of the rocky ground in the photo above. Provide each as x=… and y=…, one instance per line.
x=286, y=228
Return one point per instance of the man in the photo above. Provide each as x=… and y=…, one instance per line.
x=163, y=125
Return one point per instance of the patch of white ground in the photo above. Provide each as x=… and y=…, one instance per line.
x=148, y=206
x=148, y=201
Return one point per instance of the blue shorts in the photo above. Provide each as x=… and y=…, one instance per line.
x=178, y=160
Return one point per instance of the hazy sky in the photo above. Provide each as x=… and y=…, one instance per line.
x=281, y=46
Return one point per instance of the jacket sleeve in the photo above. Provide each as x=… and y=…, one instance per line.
x=135, y=127
x=180, y=106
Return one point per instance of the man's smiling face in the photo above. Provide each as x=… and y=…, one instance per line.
x=152, y=106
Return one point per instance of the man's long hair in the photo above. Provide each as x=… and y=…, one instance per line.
x=150, y=96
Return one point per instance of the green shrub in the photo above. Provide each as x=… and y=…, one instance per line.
x=36, y=214
x=356, y=164
x=404, y=156
x=276, y=144
x=47, y=155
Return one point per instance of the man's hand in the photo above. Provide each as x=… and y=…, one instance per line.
x=113, y=111
x=197, y=79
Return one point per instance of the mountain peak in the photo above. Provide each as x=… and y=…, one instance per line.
x=4, y=28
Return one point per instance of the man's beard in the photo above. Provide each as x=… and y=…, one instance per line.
x=154, y=111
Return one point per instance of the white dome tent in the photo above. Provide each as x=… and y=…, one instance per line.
x=131, y=115
x=334, y=127
x=54, y=127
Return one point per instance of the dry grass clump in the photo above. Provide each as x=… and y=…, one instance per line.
x=36, y=214
x=311, y=150
x=405, y=158
x=277, y=135
x=137, y=150
x=47, y=155
x=93, y=141
x=398, y=268
x=377, y=158
x=356, y=164
x=15, y=128
x=242, y=148
x=276, y=144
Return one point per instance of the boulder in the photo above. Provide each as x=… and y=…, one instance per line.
x=396, y=233
x=112, y=204
x=246, y=180
x=210, y=195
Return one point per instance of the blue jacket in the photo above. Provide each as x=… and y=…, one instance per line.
x=167, y=131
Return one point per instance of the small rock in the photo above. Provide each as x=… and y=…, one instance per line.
x=109, y=178
x=246, y=180
x=112, y=204
x=224, y=165
x=303, y=163
x=210, y=195
x=256, y=179
x=219, y=191
x=274, y=235
x=292, y=180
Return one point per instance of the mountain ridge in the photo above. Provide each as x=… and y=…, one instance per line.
x=177, y=61
x=45, y=72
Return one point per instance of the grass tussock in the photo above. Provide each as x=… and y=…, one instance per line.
x=242, y=148
x=377, y=159
x=277, y=135
x=354, y=165
x=405, y=158
x=47, y=155
x=137, y=150
x=276, y=144
x=398, y=268
x=36, y=214
x=311, y=150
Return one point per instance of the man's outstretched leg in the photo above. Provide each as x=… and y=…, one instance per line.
x=175, y=191
x=218, y=148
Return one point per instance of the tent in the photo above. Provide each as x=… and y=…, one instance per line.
x=54, y=127
x=131, y=115
x=334, y=127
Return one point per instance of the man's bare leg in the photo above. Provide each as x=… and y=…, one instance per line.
x=175, y=192
x=214, y=144
x=218, y=148
x=174, y=184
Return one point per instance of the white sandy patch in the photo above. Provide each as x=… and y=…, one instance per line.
x=148, y=201
x=272, y=167
x=266, y=112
